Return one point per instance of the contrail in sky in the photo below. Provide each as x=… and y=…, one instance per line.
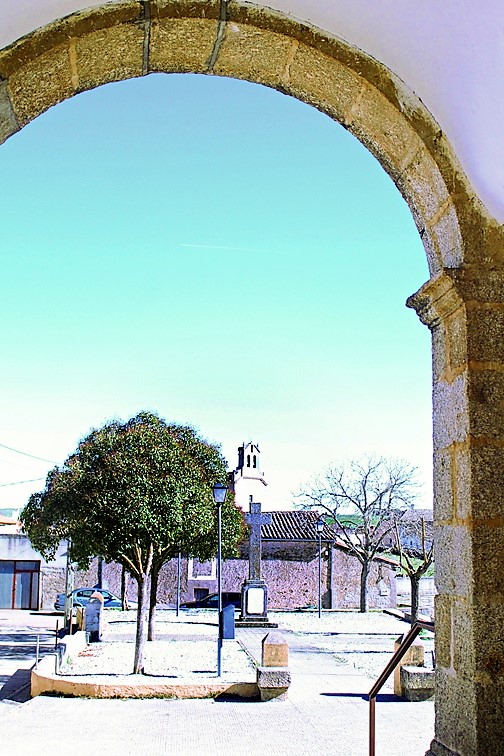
x=212, y=246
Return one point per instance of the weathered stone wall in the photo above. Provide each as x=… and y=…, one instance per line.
x=52, y=582
x=167, y=587
x=290, y=570
x=381, y=583
x=291, y=574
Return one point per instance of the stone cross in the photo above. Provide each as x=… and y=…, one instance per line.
x=255, y=519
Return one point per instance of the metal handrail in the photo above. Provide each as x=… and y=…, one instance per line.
x=394, y=661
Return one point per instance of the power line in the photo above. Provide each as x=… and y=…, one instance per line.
x=19, y=482
x=25, y=454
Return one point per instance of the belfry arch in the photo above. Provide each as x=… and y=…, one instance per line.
x=462, y=303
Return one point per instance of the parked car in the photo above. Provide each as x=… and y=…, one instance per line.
x=211, y=601
x=81, y=597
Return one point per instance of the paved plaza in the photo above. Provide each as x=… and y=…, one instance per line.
x=326, y=712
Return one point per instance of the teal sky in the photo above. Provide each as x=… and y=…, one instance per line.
x=219, y=253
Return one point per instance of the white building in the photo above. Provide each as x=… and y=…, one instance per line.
x=247, y=479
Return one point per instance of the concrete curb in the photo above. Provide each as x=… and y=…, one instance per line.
x=44, y=680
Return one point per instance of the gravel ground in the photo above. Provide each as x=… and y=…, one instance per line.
x=173, y=659
x=173, y=655
x=363, y=641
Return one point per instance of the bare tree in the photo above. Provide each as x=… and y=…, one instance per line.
x=364, y=498
x=414, y=559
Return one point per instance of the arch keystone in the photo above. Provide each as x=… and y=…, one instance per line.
x=182, y=45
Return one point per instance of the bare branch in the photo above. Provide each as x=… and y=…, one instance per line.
x=364, y=498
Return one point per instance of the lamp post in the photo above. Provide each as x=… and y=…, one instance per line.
x=179, y=557
x=69, y=586
x=219, y=493
x=319, y=526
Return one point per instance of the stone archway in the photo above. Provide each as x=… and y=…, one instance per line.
x=462, y=303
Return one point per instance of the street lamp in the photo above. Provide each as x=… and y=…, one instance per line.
x=319, y=527
x=179, y=559
x=219, y=493
x=69, y=587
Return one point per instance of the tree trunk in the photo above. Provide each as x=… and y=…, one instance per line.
x=124, y=589
x=152, y=604
x=363, y=586
x=100, y=572
x=141, y=628
x=415, y=596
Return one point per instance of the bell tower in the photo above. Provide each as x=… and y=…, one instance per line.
x=248, y=479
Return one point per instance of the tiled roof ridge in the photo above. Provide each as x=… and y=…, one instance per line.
x=298, y=524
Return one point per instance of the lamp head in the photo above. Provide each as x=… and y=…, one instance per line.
x=220, y=492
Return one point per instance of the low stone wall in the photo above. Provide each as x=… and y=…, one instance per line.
x=289, y=570
x=44, y=680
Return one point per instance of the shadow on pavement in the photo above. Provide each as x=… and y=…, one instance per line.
x=18, y=652
x=385, y=697
x=17, y=687
x=231, y=698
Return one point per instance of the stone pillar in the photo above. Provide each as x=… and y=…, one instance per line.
x=465, y=312
x=273, y=676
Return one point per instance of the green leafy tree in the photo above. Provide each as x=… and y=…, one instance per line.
x=136, y=493
x=363, y=499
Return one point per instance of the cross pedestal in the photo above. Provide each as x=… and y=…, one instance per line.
x=254, y=601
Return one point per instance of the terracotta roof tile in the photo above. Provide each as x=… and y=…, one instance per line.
x=295, y=525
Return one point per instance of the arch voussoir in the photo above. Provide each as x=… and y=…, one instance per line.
x=8, y=121
x=107, y=55
x=41, y=83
